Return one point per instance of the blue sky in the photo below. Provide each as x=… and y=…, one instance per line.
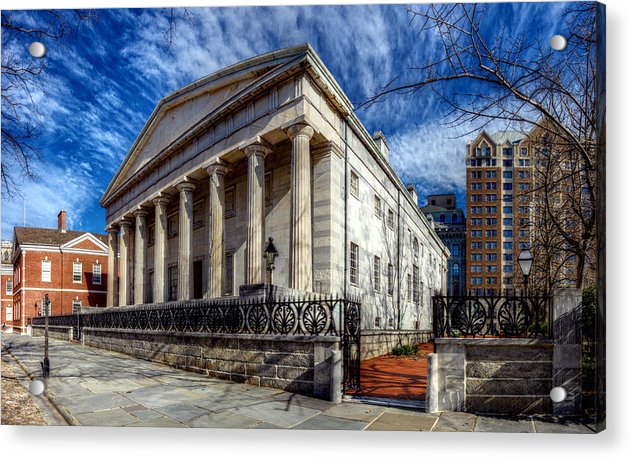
x=101, y=84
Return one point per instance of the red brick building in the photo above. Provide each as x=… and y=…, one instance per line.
x=6, y=286
x=69, y=266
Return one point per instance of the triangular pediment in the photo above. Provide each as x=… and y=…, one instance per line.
x=180, y=113
x=87, y=242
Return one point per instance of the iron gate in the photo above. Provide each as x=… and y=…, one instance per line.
x=351, y=340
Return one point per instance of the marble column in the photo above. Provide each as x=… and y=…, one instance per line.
x=254, y=270
x=301, y=246
x=140, y=248
x=216, y=203
x=112, y=266
x=160, y=250
x=123, y=280
x=185, y=255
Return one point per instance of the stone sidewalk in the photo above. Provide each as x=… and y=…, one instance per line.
x=94, y=387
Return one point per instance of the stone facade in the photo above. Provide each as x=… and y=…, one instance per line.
x=269, y=147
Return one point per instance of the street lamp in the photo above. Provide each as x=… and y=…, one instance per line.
x=270, y=255
x=525, y=263
x=46, y=311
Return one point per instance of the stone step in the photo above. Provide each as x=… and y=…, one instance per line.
x=509, y=405
x=506, y=387
x=509, y=353
x=507, y=369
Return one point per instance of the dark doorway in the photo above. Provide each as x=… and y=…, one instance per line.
x=197, y=279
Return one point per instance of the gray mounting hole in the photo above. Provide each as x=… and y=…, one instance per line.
x=37, y=49
x=558, y=394
x=37, y=387
x=558, y=42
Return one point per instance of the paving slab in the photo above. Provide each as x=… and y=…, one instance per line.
x=322, y=422
x=103, y=387
x=561, y=426
x=277, y=413
x=156, y=396
x=403, y=422
x=116, y=417
x=455, y=422
x=157, y=422
x=143, y=413
x=226, y=420
x=303, y=400
x=181, y=412
x=502, y=424
x=94, y=402
x=355, y=411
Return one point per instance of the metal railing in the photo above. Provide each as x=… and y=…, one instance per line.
x=314, y=316
x=492, y=316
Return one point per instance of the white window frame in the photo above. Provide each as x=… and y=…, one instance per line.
x=377, y=210
x=377, y=273
x=354, y=263
x=46, y=270
x=74, y=272
x=8, y=286
x=354, y=184
x=96, y=271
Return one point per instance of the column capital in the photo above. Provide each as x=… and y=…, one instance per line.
x=300, y=129
x=161, y=199
x=219, y=167
x=141, y=212
x=258, y=148
x=112, y=228
x=186, y=185
x=125, y=222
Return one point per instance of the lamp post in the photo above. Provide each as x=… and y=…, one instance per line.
x=525, y=263
x=46, y=310
x=270, y=255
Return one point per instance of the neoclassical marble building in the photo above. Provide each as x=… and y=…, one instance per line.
x=269, y=147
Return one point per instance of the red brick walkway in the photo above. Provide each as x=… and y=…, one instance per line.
x=395, y=377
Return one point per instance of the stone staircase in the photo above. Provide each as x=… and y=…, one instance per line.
x=509, y=380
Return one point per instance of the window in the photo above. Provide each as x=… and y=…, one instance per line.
x=76, y=306
x=508, y=174
x=508, y=233
x=355, y=184
x=377, y=322
x=507, y=152
x=491, y=185
x=508, y=268
x=524, y=152
x=96, y=273
x=229, y=203
x=415, y=247
x=390, y=219
x=354, y=262
x=268, y=189
x=508, y=221
x=173, y=226
x=456, y=250
x=9, y=287
x=390, y=279
x=508, y=210
x=77, y=271
x=198, y=216
x=377, y=206
x=415, y=284
x=507, y=186
x=508, y=245
x=377, y=274
x=508, y=257
x=454, y=218
x=409, y=287
x=456, y=270
x=9, y=313
x=508, y=163
x=45, y=270
x=229, y=279
x=172, y=283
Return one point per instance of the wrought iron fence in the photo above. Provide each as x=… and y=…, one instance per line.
x=492, y=316
x=314, y=316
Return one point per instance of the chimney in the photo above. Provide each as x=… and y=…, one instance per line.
x=382, y=144
x=61, y=221
x=413, y=193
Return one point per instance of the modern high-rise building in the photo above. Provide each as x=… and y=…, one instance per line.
x=500, y=173
x=450, y=225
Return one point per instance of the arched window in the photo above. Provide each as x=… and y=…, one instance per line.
x=442, y=218
x=456, y=251
x=454, y=218
x=415, y=247
x=456, y=270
